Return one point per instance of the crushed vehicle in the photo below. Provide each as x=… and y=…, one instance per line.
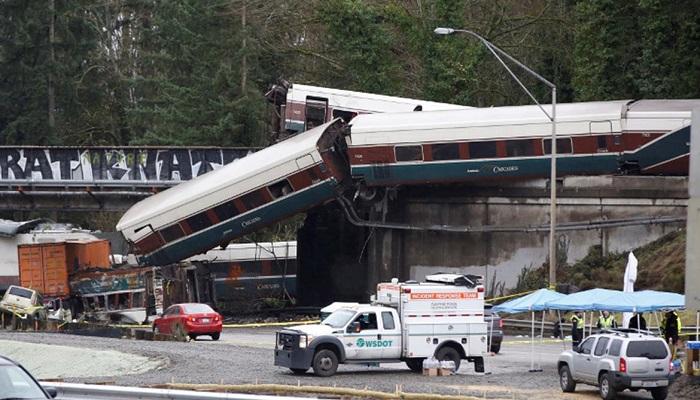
x=20, y=303
x=618, y=359
x=410, y=322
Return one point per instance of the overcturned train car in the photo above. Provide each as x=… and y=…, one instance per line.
x=647, y=137
x=301, y=107
x=250, y=276
x=238, y=198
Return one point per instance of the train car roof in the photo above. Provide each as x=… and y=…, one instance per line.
x=249, y=252
x=678, y=108
x=198, y=188
x=436, y=125
x=365, y=102
x=373, y=128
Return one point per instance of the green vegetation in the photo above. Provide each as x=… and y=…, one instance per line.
x=192, y=72
x=661, y=267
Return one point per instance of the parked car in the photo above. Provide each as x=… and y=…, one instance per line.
x=618, y=359
x=493, y=321
x=189, y=319
x=17, y=383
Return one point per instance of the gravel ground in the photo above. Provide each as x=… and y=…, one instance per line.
x=244, y=356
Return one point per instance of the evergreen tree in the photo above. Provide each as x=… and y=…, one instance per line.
x=192, y=87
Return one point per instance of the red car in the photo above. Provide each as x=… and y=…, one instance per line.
x=189, y=319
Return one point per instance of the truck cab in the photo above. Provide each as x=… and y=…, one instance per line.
x=407, y=322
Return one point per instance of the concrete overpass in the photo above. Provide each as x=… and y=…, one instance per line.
x=99, y=178
x=493, y=229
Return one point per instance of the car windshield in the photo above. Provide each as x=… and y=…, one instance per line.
x=197, y=308
x=17, y=384
x=339, y=318
x=651, y=349
x=21, y=292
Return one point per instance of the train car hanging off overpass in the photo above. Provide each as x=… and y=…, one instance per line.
x=239, y=198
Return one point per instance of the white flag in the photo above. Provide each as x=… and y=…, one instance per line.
x=630, y=279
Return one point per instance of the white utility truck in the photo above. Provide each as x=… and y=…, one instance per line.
x=442, y=318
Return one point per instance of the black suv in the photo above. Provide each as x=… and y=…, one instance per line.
x=492, y=319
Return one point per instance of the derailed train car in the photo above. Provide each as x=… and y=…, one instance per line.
x=413, y=148
x=595, y=138
x=239, y=198
x=250, y=276
x=300, y=107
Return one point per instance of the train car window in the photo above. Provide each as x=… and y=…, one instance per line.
x=252, y=200
x=150, y=242
x=563, y=146
x=345, y=115
x=315, y=112
x=602, y=143
x=279, y=189
x=409, y=153
x=445, y=151
x=226, y=210
x=173, y=232
x=199, y=221
x=482, y=149
x=519, y=148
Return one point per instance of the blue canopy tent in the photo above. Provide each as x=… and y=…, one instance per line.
x=652, y=300
x=617, y=301
x=532, y=302
x=583, y=301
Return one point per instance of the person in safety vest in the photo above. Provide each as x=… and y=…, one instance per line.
x=576, y=329
x=671, y=327
x=606, y=321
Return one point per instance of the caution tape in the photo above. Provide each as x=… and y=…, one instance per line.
x=511, y=295
x=264, y=324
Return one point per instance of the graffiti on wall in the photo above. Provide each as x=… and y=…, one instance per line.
x=128, y=164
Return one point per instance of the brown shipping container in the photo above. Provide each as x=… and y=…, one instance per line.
x=88, y=255
x=43, y=267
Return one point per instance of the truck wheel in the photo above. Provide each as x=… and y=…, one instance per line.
x=325, y=362
x=449, y=354
x=299, y=371
x=659, y=393
x=495, y=348
x=566, y=381
x=415, y=364
x=605, y=387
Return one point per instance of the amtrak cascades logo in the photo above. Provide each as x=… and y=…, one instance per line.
x=373, y=343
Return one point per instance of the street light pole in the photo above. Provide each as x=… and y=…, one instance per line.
x=498, y=53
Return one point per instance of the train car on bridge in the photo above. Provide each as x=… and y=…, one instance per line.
x=638, y=137
x=241, y=197
x=301, y=107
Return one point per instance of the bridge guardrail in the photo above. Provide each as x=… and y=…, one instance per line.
x=71, y=391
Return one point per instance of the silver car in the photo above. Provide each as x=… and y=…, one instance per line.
x=616, y=360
